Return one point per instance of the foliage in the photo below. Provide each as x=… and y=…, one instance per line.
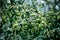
x=21, y=21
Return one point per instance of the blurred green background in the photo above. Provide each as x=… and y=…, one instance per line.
x=29, y=19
